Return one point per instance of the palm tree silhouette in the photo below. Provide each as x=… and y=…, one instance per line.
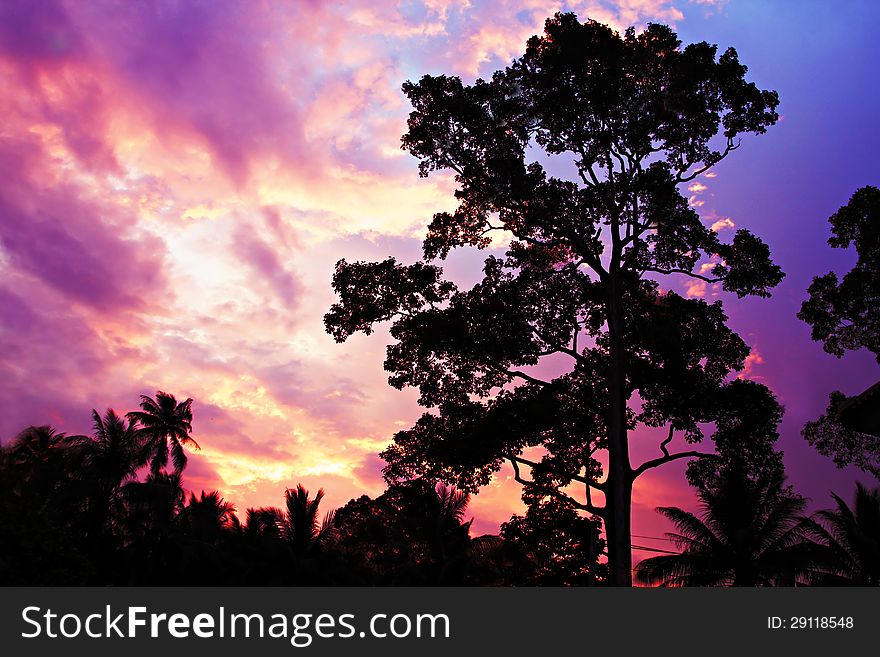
x=35, y=445
x=165, y=426
x=452, y=505
x=114, y=453
x=40, y=454
x=749, y=534
x=449, y=540
x=209, y=517
x=106, y=461
x=298, y=526
x=849, y=540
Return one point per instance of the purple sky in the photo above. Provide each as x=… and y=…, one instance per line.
x=178, y=180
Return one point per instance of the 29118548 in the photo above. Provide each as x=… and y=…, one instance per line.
x=810, y=623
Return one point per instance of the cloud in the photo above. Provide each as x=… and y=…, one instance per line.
x=695, y=289
x=178, y=180
x=267, y=262
x=752, y=360
x=724, y=223
x=67, y=238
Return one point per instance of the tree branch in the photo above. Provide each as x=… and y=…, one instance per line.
x=523, y=375
x=667, y=441
x=558, y=348
x=679, y=178
x=568, y=499
x=574, y=477
x=685, y=272
x=654, y=463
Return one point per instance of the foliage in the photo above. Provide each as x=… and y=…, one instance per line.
x=92, y=510
x=749, y=534
x=564, y=546
x=628, y=118
x=845, y=315
x=844, y=445
x=165, y=426
x=415, y=534
x=850, y=541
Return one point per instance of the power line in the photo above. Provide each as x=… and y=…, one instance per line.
x=653, y=538
x=650, y=549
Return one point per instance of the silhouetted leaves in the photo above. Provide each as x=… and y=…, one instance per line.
x=849, y=540
x=165, y=426
x=749, y=534
x=630, y=118
x=844, y=445
x=845, y=314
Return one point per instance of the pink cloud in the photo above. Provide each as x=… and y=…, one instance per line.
x=724, y=223
x=179, y=179
x=752, y=360
x=63, y=236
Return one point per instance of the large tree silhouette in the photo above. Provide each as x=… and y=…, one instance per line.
x=845, y=315
x=576, y=153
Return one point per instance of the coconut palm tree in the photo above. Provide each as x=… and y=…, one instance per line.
x=39, y=456
x=113, y=453
x=299, y=526
x=209, y=517
x=302, y=528
x=455, y=553
x=749, y=534
x=104, y=462
x=165, y=425
x=849, y=540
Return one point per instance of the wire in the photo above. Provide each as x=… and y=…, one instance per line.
x=653, y=538
x=650, y=549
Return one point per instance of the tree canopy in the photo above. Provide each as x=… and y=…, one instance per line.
x=845, y=315
x=575, y=152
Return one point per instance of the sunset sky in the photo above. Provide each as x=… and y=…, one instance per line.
x=177, y=180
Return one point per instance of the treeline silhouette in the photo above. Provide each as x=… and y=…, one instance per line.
x=103, y=509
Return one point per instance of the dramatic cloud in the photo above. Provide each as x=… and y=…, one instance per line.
x=179, y=178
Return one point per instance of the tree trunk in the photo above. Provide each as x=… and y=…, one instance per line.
x=617, y=532
x=618, y=495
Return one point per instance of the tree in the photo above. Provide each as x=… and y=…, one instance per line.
x=415, y=533
x=300, y=525
x=153, y=545
x=845, y=315
x=165, y=425
x=106, y=461
x=850, y=538
x=40, y=455
x=563, y=546
x=843, y=444
x=209, y=518
x=38, y=544
x=749, y=534
x=631, y=118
